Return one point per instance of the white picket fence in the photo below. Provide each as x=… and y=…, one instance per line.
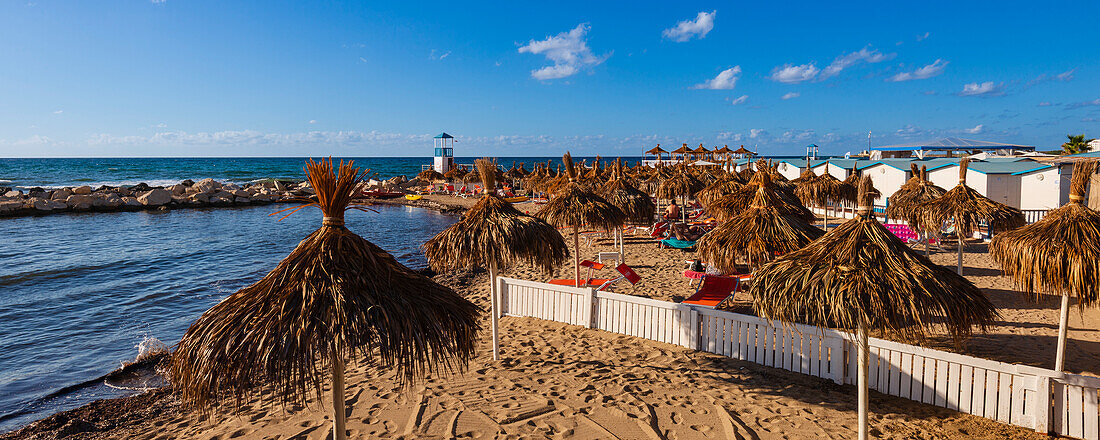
x=1020, y=395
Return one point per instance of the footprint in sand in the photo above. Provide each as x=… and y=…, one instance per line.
x=677, y=418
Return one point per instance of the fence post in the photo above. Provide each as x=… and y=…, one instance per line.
x=838, y=359
x=1042, y=404
x=590, y=307
x=693, y=338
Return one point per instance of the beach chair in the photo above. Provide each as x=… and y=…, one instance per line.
x=714, y=290
x=588, y=280
x=626, y=273
x=677, y=243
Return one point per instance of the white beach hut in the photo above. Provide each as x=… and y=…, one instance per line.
x=887, y=175
x=1044, y=187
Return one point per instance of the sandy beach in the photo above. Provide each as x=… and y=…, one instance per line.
x=560, y=381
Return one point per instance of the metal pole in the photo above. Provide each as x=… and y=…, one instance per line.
x=577, y=256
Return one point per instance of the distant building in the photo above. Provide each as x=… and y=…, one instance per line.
x=947, y=147
x=444, y=158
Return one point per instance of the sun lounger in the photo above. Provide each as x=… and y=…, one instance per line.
x=676, y=243
x=714, y=290
x=588, y=281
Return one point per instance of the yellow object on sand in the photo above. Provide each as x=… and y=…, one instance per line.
x=413, y=196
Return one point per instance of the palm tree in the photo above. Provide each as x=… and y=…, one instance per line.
x=1076, y=144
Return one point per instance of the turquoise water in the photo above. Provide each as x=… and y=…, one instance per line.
x=28, y=173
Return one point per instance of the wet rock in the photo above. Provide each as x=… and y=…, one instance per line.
x=187, y=182
x=82, y=190
x=123, y=192
x=131, y=201
x=230, y=187
x=220, y=200
x=38, y=192
x=240, y=193
x=156, y=197
x=7, y=207
x=13, y=193
x=80, y=202
x=141, y=187
x=200, y=198
x=103, y=188
x=61, y=194
x=177, y=190
x=106, y=200
x=48, y=205
x=206, y=185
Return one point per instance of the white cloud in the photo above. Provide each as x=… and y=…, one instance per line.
x=797, y=136
x=725, y=80
x=977, y=129
x=568, y=51
x=58, y=112
x=1065, y=76
x=729, y=136
x=156, y=1
x=440, y=56
x=1075, y=105
x=866, y=55
x=1045, y=104
x=924, y=37
x=988, y=88
x=925, y=72
x=312, y=121
x=756, y=133
x=688, y=29
x=739, y=100
x=792, y=74
x=162, y=125
x=362, y=60
x=791, y=95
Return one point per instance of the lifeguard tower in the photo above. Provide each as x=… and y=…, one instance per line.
x=444, y=153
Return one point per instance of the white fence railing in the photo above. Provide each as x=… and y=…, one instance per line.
x=1035, y=398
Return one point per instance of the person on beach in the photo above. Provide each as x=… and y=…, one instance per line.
x=672, y=213
x=687, y=233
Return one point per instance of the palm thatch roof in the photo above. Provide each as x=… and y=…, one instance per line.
x=572, y=206
x=718, y=189
x=682, y=150
x=907, y=202
x=757, y=234
x=656, y=150
x=968, y=209
x=818, y=189
x=635, y=203
x=1059, y=254
x=335, y=297
x=861, y=275
x=681, y=184
x=736, y=202
x=430, y=175
x=494, y=231
x=454, y=174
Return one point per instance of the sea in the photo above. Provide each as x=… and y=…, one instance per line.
x=82, y=294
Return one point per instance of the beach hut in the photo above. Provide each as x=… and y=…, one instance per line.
x=908, y=202
x=574, y=207
x=887, y=175
x=1057, y=255
x=859, y=277
x=999, y=180
x=967, y=210
x=493, y=235
x=1044, y=187
x=758, y=234
x=335, y=298
x=744, y=153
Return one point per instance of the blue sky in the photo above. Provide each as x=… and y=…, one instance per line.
x=207, y=78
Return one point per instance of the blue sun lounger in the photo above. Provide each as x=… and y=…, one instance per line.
x=676, y=243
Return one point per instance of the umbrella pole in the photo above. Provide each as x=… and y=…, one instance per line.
x=339, y=410
x=864, y=356
x=495, y=308
x=622, y=256
x=960, y=251
x=1063, y=324
x=577, y=256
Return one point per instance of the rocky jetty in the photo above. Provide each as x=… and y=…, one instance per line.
x=186, y=194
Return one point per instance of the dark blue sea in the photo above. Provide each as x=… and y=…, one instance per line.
x=82, y=293
x=47, y=173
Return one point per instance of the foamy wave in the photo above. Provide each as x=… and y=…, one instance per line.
x=154, y=182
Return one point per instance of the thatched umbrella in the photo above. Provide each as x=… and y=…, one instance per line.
x=861, y=277
x=454, y=174
x=908, y=201
x=682, y=185
x=430, y=175
x=818, y=190
x=758, y=233
x=968, y=209
x=736, y=202
x=335, y=298
x=493, y=234
x=574, y=207
x=635, y=203
x=849, y=188
x=1059, y=254
x=718, y=189
x=684, y=151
